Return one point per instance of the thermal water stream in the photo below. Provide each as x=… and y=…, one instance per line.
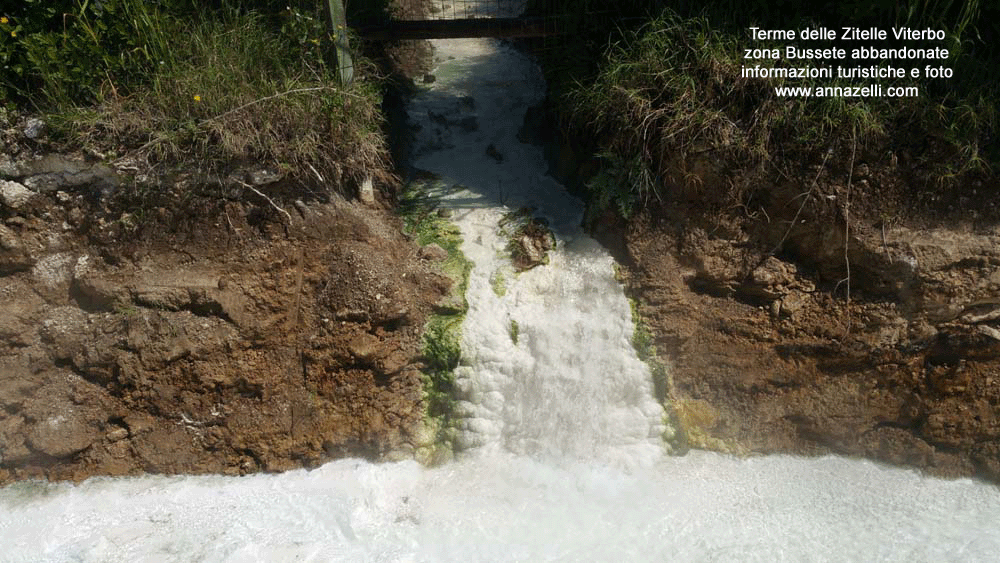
x=563, y=452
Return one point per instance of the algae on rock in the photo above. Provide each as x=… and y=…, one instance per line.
x=424, y=221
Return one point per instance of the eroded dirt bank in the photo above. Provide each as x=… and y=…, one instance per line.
x=201, y=334
x=769, y=351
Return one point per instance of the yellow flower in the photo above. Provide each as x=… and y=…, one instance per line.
x=4, y=19
x=13, y=34
x=197, y=98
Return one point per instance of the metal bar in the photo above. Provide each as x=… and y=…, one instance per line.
x=456, y=28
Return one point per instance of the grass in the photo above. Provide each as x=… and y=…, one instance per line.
x=669, y=102
x=673, y=91
x=621, y=184
x=185, y=87
x=236, y=94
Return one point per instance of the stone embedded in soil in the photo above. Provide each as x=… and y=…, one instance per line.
x=94, y=292
x=55, y=271
x=793, y=303
x=14, y=195
x=366, y=191
x=117, y=433
x=14, y=256
x=364, y=346
x=433, y=252
x=64, y=330
x=8, y=167
x=990, y=332
x=34, y=128
x=61, y=435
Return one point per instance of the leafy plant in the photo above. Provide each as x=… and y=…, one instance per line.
x=622, y=184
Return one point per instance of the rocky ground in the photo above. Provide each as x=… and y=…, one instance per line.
x=784, y=338
x=152, y=327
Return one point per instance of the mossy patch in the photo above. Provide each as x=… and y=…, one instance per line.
x=514, y=330
x=529, y=238
x=442, y=352
x=697, y=419
x=419, y=208
x=642, y=340
x=498, y=282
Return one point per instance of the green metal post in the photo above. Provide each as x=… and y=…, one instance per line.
x=337, y=18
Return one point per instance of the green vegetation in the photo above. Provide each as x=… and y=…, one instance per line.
x=442, y=351
x=675, y=434
x=519, y=224
x=621, y=184
x=514, y=331
x=645, y=348
x=498, y=282
x=207, y=86
x=418, y=207
x=661, y=100
x=125, y=309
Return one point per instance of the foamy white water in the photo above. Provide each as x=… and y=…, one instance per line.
x=564, y=459
x=702, y=507
x=571, y=386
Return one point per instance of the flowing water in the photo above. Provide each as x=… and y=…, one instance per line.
x=563, y=443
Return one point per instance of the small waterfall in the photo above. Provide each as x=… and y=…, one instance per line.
x=571, y=384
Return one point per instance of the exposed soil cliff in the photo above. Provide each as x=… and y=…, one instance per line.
x=789, y=332
x=200, y=333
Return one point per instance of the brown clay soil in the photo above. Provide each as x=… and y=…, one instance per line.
x=788, y=333
x=214, y=336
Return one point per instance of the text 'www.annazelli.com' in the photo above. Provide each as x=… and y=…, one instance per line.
x=868, y=91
